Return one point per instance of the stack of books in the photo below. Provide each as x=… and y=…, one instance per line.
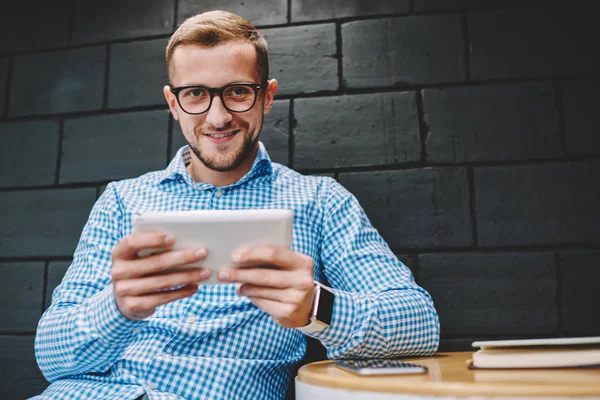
x=575, y=352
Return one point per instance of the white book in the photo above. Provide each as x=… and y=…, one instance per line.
x=537, y=353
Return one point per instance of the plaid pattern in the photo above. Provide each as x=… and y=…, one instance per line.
x=215, y=344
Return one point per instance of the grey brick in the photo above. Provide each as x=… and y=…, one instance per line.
x=111, y=147
x=580, y=99
x=500, y=122
x=21, y=295
x=56, y=272
x=137, y=74
x=3, y=83
x=303, y=58
x=580, y=274
x=402, y=51
x=274, y=134
x=23, y=142
x=533, y=42
x=368, y=129
x=70, y=80
x=328, y=174
x=409, y=262
x=34, y=25
x=307, y=10
x=415, y=208
x=101, y=189
x=98, y=21
x=270, y=12
x=456, y=344
x=538, y=204
x=501, y=293
x=456, y=5
x=38, y=223
x=178, y=140
x=20, y=377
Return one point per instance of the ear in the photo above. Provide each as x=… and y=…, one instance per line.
x=270, y=95
x=171, y=100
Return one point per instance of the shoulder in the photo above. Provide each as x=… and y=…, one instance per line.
x=324, y=189
x=286, y=176
x=150, y=179
x=117, y=191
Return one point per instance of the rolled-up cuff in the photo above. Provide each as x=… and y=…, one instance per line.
x=108, y=321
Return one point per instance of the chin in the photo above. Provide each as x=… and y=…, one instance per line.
x=229, y=159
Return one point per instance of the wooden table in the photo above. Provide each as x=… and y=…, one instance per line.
x=447, y=376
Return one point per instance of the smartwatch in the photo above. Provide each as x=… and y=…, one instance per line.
x=322, y=309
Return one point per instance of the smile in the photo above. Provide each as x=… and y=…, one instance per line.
x=222, y=135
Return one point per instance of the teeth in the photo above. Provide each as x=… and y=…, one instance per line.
x=220, y=135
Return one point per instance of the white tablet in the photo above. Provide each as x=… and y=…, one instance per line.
x=219, y=231
x=567, y=341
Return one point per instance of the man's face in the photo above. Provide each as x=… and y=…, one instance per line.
x=222, y=140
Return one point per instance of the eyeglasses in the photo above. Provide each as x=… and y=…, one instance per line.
x=236, y=97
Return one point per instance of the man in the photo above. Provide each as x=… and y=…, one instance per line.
x=113, y=331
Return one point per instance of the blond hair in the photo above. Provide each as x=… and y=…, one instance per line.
x=213, y=28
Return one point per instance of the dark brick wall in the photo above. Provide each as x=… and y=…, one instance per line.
x=466, y=128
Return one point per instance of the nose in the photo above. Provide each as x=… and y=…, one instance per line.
x=218, y=116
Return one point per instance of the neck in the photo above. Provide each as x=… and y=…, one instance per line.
x=201, y=173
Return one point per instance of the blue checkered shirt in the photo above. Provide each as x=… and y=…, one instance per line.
x=216, y=344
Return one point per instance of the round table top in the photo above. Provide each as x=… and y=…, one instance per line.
x=448, y=375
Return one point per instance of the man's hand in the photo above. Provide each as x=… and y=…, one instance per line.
x=284, y=292
x=142, y=284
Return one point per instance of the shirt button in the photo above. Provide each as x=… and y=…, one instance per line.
x=136, y=331
x=152, y=385
x=191, y=319
x=219, y=193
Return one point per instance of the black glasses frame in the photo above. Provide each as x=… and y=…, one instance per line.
x=219, y=91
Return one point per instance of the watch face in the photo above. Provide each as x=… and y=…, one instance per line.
x=325, y=308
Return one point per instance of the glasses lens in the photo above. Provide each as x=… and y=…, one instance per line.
x=194, y=100
x=239, y=97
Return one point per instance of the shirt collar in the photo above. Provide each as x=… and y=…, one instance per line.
x=177, y=168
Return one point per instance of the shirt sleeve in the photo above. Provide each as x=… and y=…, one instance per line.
x=83, y=331
x=379, y=310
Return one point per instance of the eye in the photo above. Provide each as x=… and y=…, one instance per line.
x=194, y=93
x=239, y=91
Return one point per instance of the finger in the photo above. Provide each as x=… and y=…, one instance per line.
x=280, y=295
x=265, y=277
x=284, y=314
x=268, y=278
x=281, y=257
x=156, y=263
x=130, y=245
x=141, y=304
x=161, y=262
x=152, y=284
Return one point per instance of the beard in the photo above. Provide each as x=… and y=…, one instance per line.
x=224, y=162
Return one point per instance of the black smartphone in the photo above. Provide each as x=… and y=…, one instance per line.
x=380, y=367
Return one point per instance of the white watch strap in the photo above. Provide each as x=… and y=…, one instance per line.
x=314, y=325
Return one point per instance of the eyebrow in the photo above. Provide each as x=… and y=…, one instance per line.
x=230, y=83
